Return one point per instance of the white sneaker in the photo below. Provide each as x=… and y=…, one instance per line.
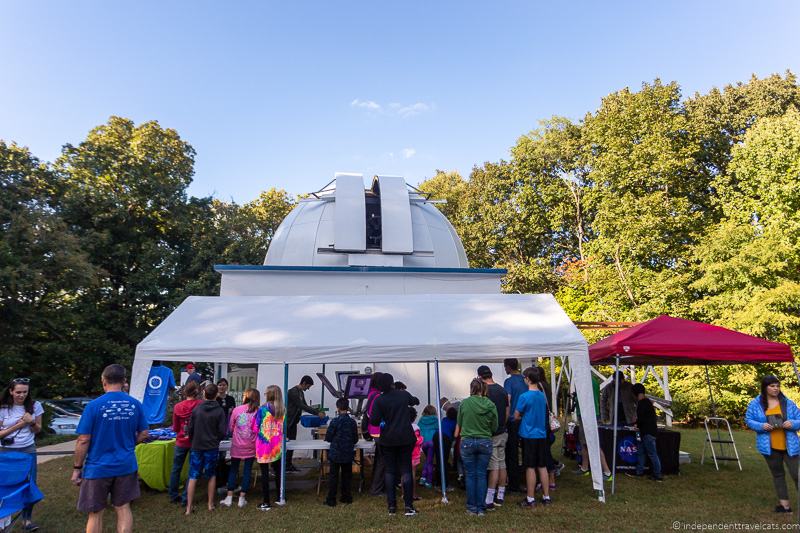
x=242, y=502
x=280, y=503
x=227, y=502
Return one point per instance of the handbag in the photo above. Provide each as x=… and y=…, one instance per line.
x=555, y=425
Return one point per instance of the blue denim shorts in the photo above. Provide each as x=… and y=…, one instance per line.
x=203, y=463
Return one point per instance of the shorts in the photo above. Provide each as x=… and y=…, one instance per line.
x=498, y=459
x=203, y=463
x=535, y=453
x=94, y=492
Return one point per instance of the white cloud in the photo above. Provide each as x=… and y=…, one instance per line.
x=366, y=104
x=408, y=153
x=413, y=109
x=393, y=108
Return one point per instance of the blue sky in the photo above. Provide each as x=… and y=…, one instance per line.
x=285, y=94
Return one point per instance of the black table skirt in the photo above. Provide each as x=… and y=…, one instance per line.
x=668, y=444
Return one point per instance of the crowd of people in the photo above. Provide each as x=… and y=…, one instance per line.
x=499, y=439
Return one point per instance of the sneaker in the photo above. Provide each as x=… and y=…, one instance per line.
x=609, y=477
x=410, y=511
x=581, y=472
x=392, y=511
x=782, y=509
x=498, y=502
x=559, y=468
x=428, y=485
x=659, y=479
x=227, y=502
x=30, y=526
x=481, y=513
x=280, y=503
x=264, y=507
x=546, y=501
x=422, y=481
x=525, y=504
x=490, y=507
x=242, y=502
x=471, y=513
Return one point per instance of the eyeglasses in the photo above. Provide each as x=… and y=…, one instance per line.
x=21, y=381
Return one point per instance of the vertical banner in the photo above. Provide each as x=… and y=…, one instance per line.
x=241, y=377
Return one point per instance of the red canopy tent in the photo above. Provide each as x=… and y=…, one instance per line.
x=676, y=341
x=666, y=340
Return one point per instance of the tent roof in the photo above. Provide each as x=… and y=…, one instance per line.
x=352, y=329
x=676, y=341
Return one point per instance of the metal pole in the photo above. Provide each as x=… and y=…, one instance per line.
x=428, y=365
x=283, y=449
x=616, y=415
x=711, y=394
x=442, y=469
x=322, y=391
x=553, y=391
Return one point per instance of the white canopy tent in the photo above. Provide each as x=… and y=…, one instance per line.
x=437, y=328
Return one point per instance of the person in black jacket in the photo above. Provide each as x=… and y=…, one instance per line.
x=343, y=435
x=297, y=404
x=207, y=427
x=391, y=413
x=646, y=424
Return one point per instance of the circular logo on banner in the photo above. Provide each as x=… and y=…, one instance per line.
x=155, y=382
x=629, y=450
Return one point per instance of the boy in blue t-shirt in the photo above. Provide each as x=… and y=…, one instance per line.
x=531, y=411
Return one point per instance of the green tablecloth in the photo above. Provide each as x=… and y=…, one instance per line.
x=155, y=463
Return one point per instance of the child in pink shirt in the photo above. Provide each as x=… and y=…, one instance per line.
x=416, y=452
x=243, y=445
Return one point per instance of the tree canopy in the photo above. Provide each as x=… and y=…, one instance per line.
x=653, y=203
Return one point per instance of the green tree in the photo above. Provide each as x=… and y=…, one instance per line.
x=124, y=195
x=42, y=270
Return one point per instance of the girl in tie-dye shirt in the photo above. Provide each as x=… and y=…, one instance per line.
x=268, y=427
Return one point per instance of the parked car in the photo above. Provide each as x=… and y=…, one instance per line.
x=66, y=414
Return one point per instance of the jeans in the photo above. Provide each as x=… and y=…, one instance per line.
x=475, y=453
x=276, y=471
x=648, y=447
x=378, y=470
x=345, y=472
x=175, y=476
x=427, y=470
x=398, y=464
x=775, y=461
x=516, y=475
x=233, y=473
x=437, y=468
x=291, y=434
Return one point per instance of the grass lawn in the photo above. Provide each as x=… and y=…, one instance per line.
x=699, y=494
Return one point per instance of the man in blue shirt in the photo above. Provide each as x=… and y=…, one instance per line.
x=159, y=384
x=514, y=386
x=532, y=413
x=105, y=463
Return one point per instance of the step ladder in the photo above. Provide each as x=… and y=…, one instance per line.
x=725, y=444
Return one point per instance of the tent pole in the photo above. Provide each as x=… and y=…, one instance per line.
x=428, y=365
x=442, y=469
x=553, y=391
x=322, y=391
x=283, y=449
x=616, y=415
x=711, y=394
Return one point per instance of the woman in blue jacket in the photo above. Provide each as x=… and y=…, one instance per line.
x=776, y=419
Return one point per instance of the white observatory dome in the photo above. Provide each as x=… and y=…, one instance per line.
x=389, y=225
